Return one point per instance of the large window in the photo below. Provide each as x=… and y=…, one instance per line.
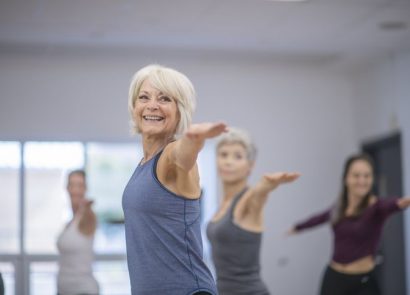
x=10, y=161
x=8, y=274
x=113, y=277
x=43, y=278
x=34, y=208
x=46, y=165
x=109, y=167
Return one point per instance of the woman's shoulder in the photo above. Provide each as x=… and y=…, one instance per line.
x=167, y=152
x=373, y=200
x=380, y=201
x=384, y=204
x=163, y=156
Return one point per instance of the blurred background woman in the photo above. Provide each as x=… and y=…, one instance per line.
x=357, y=221
x=75, y=243
x=235, y=232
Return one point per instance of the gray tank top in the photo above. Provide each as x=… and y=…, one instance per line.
x=235, y=253
x=163, y=238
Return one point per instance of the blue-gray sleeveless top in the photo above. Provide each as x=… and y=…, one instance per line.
x=235, y=253
x=163, y=238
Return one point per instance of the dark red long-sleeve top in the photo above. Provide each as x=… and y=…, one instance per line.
x=355, y=237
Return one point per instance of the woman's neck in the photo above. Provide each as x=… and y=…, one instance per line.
x=151, y=146
x=353, y=203
x=230, y=190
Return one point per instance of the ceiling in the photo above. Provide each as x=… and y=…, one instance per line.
x=321, y=28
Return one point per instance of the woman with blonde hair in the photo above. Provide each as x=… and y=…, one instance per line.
x=161, y=201
x=235, y=232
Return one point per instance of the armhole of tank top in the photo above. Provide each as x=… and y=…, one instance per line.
x=236, y=201
x=156, y=159
x=76, y=223
x=154, y=174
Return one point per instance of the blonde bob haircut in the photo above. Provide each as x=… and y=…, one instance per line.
x=236, y=135
x=171, y=83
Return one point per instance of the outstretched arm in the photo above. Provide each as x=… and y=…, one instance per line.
x=177, y=168
x=268, y=183
x=313, y=221
x=389, y=206
x=88, y=220
x=186, y=149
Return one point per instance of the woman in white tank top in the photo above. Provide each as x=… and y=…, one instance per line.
x=75, y=243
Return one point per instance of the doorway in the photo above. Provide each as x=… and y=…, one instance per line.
x=386, y=152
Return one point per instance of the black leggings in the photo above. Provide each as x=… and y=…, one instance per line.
x=336, y=283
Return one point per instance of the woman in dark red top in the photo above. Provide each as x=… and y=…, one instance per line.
x=357, y=220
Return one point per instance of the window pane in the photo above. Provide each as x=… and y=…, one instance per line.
x=109, y=167
x=207, y=171
x=112, y=277
x=47, y=204
x=43, y=278
x=10, y=160
x=7, y=272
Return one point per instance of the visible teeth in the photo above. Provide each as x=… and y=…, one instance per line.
x=157, y=118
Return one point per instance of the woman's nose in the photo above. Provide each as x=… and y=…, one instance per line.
x=153, y=104
x=228, y=161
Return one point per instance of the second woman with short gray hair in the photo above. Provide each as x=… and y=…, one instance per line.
x=235, y=232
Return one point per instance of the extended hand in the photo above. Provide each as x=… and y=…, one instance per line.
x=85, y=204
x=202, y=131
x=274, y=179
x=292, y=231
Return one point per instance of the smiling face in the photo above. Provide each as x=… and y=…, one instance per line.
x=233, y=163
x=359, y=178
x=154, y=112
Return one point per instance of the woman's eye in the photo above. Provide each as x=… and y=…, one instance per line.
x=238, y=157
x=143, y=97
x=164, y=99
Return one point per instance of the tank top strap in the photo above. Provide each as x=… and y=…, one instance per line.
x=75, y=221
x=156, y=159
x=75, y=225
x=236, y=200
x=151, y=162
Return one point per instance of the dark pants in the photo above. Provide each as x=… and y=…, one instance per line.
x=336, y=283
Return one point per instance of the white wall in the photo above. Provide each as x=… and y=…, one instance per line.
x=382, y=104
x=299, y=114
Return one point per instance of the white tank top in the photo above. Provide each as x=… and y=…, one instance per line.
x=75, y=261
